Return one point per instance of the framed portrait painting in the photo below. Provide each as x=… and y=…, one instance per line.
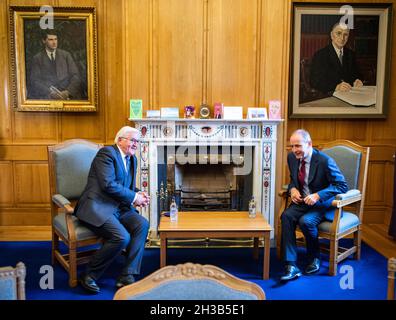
x=340, y=60
x=53, y=58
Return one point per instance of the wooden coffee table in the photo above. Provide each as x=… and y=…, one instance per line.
x=220, y=224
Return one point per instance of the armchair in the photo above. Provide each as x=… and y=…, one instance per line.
x=352, y=160
x=191, y=282
x=69, y=163
x=12, y=282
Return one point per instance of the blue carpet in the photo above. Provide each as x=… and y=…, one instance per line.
x=367, y=276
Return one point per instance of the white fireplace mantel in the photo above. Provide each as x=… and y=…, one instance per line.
x=260, y=134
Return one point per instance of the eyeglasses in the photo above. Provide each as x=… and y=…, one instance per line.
x=133, y=140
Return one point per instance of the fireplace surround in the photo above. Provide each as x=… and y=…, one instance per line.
x=177, y=156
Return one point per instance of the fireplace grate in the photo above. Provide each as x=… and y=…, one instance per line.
x=198, y=200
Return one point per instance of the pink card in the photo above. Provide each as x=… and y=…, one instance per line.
x=274, y=109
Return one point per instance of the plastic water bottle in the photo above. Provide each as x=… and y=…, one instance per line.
x=173, y=211
x=252, y=208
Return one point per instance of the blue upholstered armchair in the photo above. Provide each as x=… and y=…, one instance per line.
x=12, y=282
x=69, y=163
x=191, y=282
x=352, y=160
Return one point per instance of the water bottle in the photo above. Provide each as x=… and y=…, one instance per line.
x=173, y=212
x=252, y=208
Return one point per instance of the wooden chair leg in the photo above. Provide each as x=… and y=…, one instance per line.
x=357, y=240
x=391, y=286
x=73, y=267
x=55, y=247
x=279, y=242
x=333, y=257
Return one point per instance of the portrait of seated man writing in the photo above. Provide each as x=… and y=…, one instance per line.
x=334, y=67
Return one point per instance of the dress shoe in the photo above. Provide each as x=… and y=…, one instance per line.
x=291, y=272
x=125, y=280
x=313, y=267
x=89, y=284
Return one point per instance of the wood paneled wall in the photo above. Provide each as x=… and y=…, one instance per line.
x=174, y=53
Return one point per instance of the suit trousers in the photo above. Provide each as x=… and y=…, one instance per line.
x=124, y=230
x=308, y=218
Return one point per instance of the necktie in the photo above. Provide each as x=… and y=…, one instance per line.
x=127, y=163
x=52, y=57
x=301, y=176
x=340, y=56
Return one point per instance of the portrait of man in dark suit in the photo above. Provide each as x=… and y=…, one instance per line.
x=334, y=67
x=54, y=73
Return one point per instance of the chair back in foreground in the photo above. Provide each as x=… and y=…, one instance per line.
x=12, y=282
x=69, y=163
x=191, y=282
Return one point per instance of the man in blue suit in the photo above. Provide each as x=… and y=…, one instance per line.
x=107, y=207
x=315, y=180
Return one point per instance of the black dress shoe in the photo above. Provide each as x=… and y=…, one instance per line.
x=89, y=284
x=291, y=272
x=313, y=267
x=125, y=280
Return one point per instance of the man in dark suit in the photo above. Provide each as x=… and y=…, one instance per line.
x=315, y=180
x=54, y=74
x=334, y=68
x=107, y=207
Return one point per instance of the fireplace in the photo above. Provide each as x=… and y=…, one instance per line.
x=215, y=165
x=205, y=178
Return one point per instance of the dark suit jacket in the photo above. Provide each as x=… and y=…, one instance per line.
x=325, y=178
x=109, y=188
x=326, y=71
x=64, y=75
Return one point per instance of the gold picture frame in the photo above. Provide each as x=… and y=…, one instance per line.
x=53, y=54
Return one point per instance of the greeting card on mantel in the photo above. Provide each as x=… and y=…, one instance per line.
x=135, y=109
x=274, y=109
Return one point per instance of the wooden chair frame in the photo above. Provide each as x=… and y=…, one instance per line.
x=391, y=278
x=70, y=260
x=18, y=274
x=354, y=204
x=189, y=271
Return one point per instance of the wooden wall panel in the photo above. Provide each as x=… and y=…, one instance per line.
x=112, y=67
x=355, y=130
x=138, y=55
x=31, y=184
x=178, y=57
x=33, y=127
x=6, y=184
x=232, y=52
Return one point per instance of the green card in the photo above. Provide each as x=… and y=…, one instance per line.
x=135, y=109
